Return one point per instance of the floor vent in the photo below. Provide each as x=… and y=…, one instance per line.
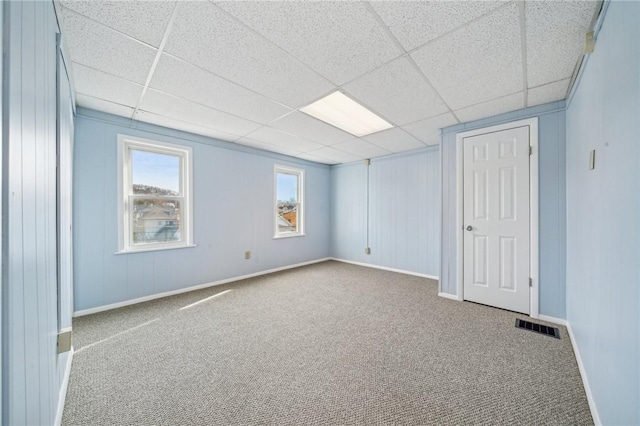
x=538, y=328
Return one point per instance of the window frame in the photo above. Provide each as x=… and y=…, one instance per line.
x=126, y=144
x=301, y=201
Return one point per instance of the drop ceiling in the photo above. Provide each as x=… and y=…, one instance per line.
x=240, y=71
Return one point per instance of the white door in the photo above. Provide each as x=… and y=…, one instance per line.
x=496, y=219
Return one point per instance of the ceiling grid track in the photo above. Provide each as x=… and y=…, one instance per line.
x=165, y=37
x=407, y=55
x=596, y=24
x=279, y=48
x=466, y=24
x=294, y=108
x=207, y=64
x=523, y=40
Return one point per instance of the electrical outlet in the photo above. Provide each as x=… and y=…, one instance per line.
x=367, y=250
x=247, y=255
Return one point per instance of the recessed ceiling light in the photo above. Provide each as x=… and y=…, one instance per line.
x=343, y=112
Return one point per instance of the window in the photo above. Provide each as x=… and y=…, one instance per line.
x=155, y=195
x=289, y=191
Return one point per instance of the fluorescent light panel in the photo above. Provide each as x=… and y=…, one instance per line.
x=343, y=112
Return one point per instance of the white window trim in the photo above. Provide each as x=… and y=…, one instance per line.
x=125, y=143
x=301, y=190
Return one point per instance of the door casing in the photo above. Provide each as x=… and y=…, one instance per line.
x=532, y=123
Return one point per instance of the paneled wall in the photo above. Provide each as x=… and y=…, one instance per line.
x=404, y=212
x=65, y=195
x=31, y=367
x=551, y=187
x=233, y=213
x=603, y=211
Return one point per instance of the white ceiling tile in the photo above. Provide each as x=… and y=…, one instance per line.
x=102, y=48
x=206, y=36
x=316, y=159
x=268, y=147
x=179, y=78
x=398, y=92
x=362, y=148
x=491, y=108
x=428, y=131
x=555, y=35
x=548, y=93
x=222, y=79
x=394, y=140
x=476, y=63
x=142, y=20
x=285, y=140
x=104, y=86
x=417, y=22
x=172, y=123
x=104, y=106
x=180, y=109
x=341, y=40
x=335, y=155
x=301, y=124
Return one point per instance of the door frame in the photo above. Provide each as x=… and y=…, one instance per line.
x=534, y=289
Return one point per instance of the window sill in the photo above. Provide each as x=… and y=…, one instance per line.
x=145, y=250
x=279, y=237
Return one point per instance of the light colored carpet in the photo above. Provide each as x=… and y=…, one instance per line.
x=326, y=344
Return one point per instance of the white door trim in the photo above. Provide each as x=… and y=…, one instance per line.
x=533, y=206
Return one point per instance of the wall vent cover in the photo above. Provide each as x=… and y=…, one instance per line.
x=538, y=328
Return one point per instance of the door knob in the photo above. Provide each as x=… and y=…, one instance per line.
x=469, y=228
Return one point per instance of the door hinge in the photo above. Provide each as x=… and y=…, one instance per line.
x=64, y=340
x=530, y=150
x=530, y=282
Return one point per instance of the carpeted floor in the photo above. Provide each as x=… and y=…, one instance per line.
x=326, y=344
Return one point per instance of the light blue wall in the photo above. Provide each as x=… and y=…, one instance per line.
x=349, y=211
x=552, y=249
x=233, y=212
x=31, y=379
x=603, y=212
x=65, y=195
x=2, y=215
x=404, y=211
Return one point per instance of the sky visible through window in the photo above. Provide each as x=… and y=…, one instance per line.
x=159, y=170
x=287, y=187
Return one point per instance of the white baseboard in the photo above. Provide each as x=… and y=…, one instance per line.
x=585, y=380
x=188, y=289
x=449, y=296
x=554, y=320
x=62, y=397
x=384, y=268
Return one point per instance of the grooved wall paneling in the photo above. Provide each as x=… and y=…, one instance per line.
x=32, y=370
x=603, y=208
x=233, y=212
x=552, y=250
x=404, y=211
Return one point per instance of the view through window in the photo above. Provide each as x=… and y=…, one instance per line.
x=156, y=198
x=288, y=201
